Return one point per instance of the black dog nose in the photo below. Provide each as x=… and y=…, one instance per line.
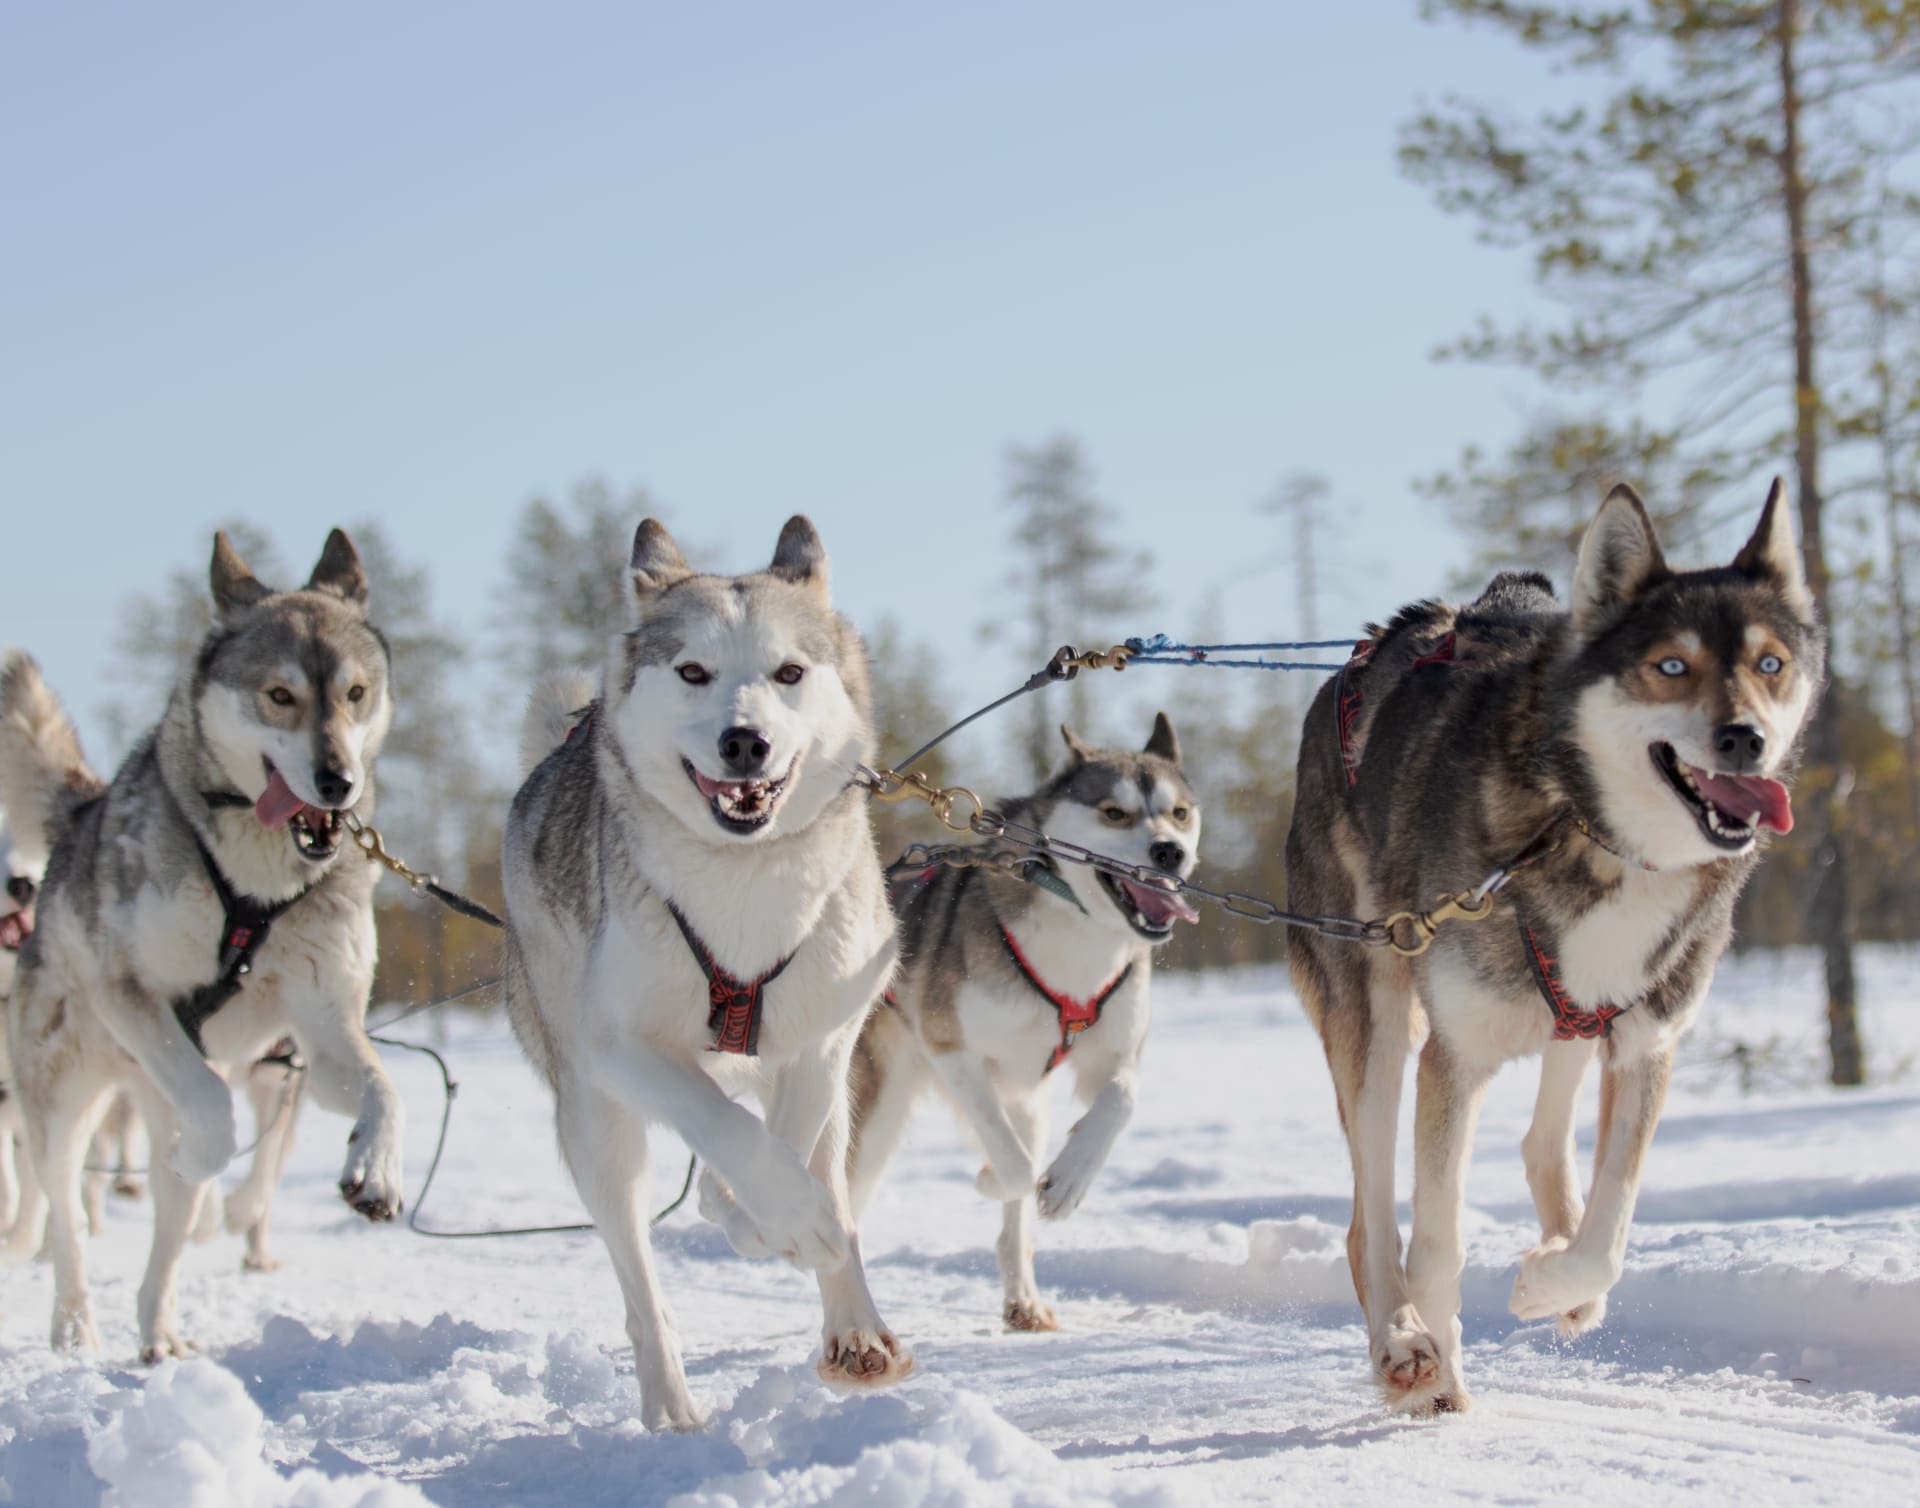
x=1740, y=745
x=21, y=889
x=744, y=751
x=333, y=785
x=1167, y=855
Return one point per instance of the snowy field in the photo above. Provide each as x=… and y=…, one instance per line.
x=1764, y=1345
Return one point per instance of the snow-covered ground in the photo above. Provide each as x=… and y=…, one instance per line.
x=1764, y=1345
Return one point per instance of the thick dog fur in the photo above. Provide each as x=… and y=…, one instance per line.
x=129, y=922
x=964, y=1019
x=606, y=995
x=1540, y=711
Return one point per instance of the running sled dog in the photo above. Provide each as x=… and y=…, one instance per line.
x=201, y=908
x=695, y=910
x=1006, y=977
x=1624, y=757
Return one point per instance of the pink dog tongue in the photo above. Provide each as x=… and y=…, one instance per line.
x=277, y=804
x=1159, y=906
x=1748, y=797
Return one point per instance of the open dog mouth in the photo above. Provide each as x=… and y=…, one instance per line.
x=1729, y=809
x=741, y=806
x=315, y=829
x=1149, y=910
x=15, y=928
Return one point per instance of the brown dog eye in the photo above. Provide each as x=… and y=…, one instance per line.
x=1180, y=814
x=789, y=675
x=694, y=675
x=356, y=693
x=1116, y=814
x=280, y=696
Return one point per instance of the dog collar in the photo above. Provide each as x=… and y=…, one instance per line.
x=733, y=1014
x=1075, y=1016
x=1040, y=872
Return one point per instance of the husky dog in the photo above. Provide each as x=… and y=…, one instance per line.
x=1625, y=758
x=1003, y=979
x=201, y=908
x=695, y=909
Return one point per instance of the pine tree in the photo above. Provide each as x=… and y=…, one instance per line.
x=1072, y=582
x=1684, y=219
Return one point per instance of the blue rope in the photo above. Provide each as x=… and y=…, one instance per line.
x=1158, y=649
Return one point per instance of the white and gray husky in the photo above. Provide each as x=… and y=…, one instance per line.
x=694, y=910
x=1004, y=978
x=201, y=908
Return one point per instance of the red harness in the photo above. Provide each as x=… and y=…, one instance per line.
x=1075, y=1015
x=1570, y=1019
x=734, y=1003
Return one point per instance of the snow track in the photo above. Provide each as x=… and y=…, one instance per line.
x=1763, y=1345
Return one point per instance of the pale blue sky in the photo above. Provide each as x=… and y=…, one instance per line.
x=309, y=265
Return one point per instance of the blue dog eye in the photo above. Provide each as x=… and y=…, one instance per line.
x=1770, y=665
x=1674, y=665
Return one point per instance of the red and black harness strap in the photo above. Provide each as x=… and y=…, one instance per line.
x=1570, y=1019
x=734, y=1003
x=1075, y=1015
x=243, y=932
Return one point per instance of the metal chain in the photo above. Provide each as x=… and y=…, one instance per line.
x=1408, y=933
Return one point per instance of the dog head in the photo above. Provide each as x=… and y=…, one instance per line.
x=19, y=886
x=744, y=701
x=1136, y=807
x=1685, y=693
x=292, y=692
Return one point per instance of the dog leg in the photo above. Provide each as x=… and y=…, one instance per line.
x=276, y=1103
x=126, y=1151
x=888, y=1073
x=346, y=1077
x=176, y=1205
x=9, y=1185
x=29, y=1227
x=606, y=1150
x=1559, y=1276
x=1446, y=1109
x=1022, y=1307
x=1079, y=1162
x=791, y=1209
x=1406, y=1358
x=1013, y=1167
x=60, y=1120
x=201, y=1105
x=1548, y=1151
x=808, y=1112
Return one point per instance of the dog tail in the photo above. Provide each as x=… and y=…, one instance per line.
x=44, y=778
x=554, y=710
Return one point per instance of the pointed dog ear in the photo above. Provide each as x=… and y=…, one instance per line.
x=656, y=560
x=235, y=588
x=1774, y=555
x=339, y=570
x=800, y=557
x=1164, y=741
x=1078, y=748
x=1619, y=559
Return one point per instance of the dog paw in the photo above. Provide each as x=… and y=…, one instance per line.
x=1017, y=1184
x=260, y=1261
x=802, y=1227
x=129, y=1187
x=167, y=1347
x=73, y=1332
x=1407, y=1364
x=1066, y=1183
x=1029, y=1316
x=679, y=1415
x=1557, y=1279
x=1578, y=1320
x=203, y=1150
x=864, y=1357
x=244, y=1209
x=718, y=1206
x=371, y=1180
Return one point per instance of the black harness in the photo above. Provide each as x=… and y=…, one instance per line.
x=244, y=929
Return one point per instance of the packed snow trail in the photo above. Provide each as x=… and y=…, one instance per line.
x=1764, y=1344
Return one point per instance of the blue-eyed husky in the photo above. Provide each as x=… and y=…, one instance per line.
x=1630, y=752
